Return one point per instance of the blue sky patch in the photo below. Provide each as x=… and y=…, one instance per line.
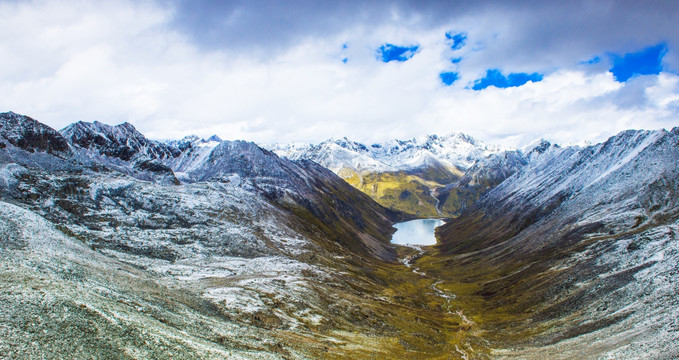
x=495, y=78
x=456, y=40
x=456, y=60
x=391, y=52
x=449, y=77
x=645, y=62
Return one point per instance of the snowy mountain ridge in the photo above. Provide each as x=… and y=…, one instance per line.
x=121, y=141
x=454, y=151
x=28, y=134
x=411, y=176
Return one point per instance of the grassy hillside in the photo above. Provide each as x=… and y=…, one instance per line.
x=414, y=192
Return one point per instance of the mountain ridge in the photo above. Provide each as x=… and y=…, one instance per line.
x=417, y=176
x=287, y=183
x=455, y=150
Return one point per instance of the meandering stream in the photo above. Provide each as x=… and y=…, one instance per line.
x=416, y=234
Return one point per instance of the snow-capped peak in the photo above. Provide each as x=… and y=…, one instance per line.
x=455, y=150
x=214, y=138
x=538, y=146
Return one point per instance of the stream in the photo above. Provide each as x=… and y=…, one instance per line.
x=415, y=234
x=418, y=233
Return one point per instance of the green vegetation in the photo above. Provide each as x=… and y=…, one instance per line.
x=412, y=193
x=390, y=312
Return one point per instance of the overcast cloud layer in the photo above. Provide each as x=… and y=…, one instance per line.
x=309, y=70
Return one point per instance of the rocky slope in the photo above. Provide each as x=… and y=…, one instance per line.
x=575, y=255
x=301, y=187
x=405, y=175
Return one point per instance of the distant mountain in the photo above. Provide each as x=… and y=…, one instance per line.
x=401, y=174
x=454, y=151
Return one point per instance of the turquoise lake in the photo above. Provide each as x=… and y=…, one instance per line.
x=416, y=232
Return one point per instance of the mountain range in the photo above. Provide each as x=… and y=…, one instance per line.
x=424, y=177
x=117, y=246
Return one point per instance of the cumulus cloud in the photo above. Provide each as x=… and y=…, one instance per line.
x=567, y=106
x=299, y=71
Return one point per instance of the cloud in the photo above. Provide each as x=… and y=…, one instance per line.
x=299, y=71
x=645, y=62
x=391, y=52
x=566, y=107
x=495, y=78
x=547, y=33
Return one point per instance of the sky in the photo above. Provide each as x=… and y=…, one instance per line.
x=505, y=72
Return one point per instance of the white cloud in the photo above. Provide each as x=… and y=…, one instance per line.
x=122, y=61
x=566, y=107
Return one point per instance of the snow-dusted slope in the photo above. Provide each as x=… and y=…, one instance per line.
x=581, y=246
x=121, y=141
x=62, y=297
x=225, y=265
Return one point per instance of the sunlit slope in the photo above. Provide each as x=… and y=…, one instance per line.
x=402, y=191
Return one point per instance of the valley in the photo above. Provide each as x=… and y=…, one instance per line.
x=412, y=176
x=116, y=246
